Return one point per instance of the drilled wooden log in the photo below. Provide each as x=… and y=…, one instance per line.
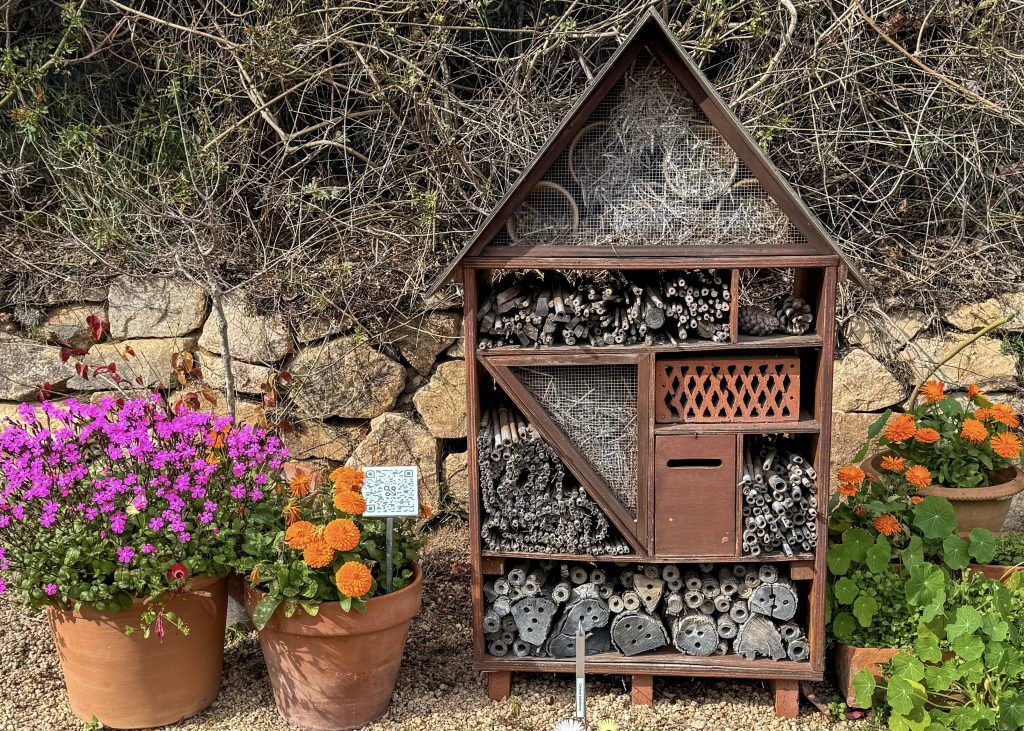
x=798, y=649
x=631, y=601
x=695, y=634
x=759, y=637
x=633, y=633
x=727, y=628
x=649, y=590
x=777, y=600
x=534, y=617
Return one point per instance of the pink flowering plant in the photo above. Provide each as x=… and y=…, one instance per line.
x=101, y=504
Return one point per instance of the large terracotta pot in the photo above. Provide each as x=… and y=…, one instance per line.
x=337, y=670
x=850, y=660
x=975, y=507
x=129, y=681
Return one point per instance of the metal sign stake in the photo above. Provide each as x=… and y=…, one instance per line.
x=388, y=538
x=581, y=682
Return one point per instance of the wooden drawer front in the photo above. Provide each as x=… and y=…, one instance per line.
x=695, y=495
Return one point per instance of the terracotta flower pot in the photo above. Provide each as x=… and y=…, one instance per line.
x=337, y=670
x=850, y=660
x=994, y=571
x=975, y=507
x=129, y=681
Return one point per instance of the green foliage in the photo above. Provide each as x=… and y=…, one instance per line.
x=1009, y=550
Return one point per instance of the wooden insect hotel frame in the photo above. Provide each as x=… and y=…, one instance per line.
x=652, y=459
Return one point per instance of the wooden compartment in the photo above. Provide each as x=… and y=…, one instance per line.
x=695, y=495
x=741, y=388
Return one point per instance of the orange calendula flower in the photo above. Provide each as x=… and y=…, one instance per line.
x=851, y=473
x=1005, y=415
x=353, y=579
x=974, y=431
x=892, y=463
x=918, y=476
x=887, y=525
x=926, y=435
x=349, y=502
x=348, y=478
x=1006, y=445
x=848, y=489
x=915, y=499
x=300, y=485
x=973, y=391
x=317, y=553
x=291, y=512
x=341, y=534
x=982, y=413
x=933, y=391
x=299, y=534
x=900, y=428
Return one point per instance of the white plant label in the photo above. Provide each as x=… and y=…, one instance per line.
x=391, y=492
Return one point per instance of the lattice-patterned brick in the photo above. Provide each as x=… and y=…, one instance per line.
x=728, y=389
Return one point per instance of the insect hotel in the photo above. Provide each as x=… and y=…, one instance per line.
x=649, y=331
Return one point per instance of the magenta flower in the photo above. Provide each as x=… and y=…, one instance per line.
x=50, y=589
x=125, y=554
x=147, y=548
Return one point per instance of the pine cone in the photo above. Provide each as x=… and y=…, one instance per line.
x=794, y=315
x=756, y=320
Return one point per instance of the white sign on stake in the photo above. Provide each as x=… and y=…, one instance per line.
x=391, y=492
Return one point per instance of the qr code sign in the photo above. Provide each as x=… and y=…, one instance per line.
x=391, y=491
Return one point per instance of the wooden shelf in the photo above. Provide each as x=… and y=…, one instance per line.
x=632, y=558
x=663, y=661
x=745, y=342
x=806, y=424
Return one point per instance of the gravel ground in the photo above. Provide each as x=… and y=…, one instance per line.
x=437, y=689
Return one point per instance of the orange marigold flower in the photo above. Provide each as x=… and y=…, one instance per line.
x=349, y=502
x=974, y=431
x=918, y=476
x=887, y=525
x=848, y=489
x=1006, y=445
x=299, y=534
x=348, y=478
x=851, y=473
x=915, y=499
x=892, y=463
x=1005, y=415
x=353, y=579
x=973, y=391
x=291, y=512
x=933, y=391
x=341, y=534
x=300, y=484
x=926, y=435
x=900, y=428
x=317, y=553
x=982, y=413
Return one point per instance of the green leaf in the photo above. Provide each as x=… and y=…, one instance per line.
x=838, y=558
x=1011, y=712
x=940, y=677
x=927, y=648
x=876, y=428
x=926, y=580
x=935, y=607
x=843, y=626
x=346, y=603
x=968, y=647
x=983, y=545
x=908, y=666
x=934, y=517
x=879, y=555
x=967, y=621
x=864, y=609
x=845, y=590
x=864, y=688
x=857, y=542
x=954, y=552
x=903, y=695
x=264, y=610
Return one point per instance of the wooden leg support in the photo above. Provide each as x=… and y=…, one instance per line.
x=499, y=685
x=643, y=690
x=787, y=698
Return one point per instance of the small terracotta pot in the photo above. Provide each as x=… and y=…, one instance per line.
x=850, y=660
x=975, y=507
x=129, y=681
x=337, y=670
x=994, y=571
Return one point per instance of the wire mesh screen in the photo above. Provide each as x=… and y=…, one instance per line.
x=596, y=408
x=648, y=168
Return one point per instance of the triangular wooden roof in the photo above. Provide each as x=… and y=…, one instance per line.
x=652, y=33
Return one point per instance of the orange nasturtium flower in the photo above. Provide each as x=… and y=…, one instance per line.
x=933, y=391
x=348, y=478
x=851, y=473
x=900, y=428
x=915, y=499
x=1005, y=415
x=317, y=553
x=299, y=534
x=892, y=463
x=887, y=524
x=353, y=579
x=918, y=476
x=349, y=502
x=848, y=489
x=974, y=431
x=341, y=534
x=300, y=484
x=926, y=435
x=1006, y=445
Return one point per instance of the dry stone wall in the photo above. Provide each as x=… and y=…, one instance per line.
x=351, y=401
